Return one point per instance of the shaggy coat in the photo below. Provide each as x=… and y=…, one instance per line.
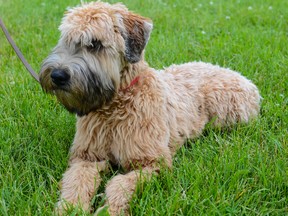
x=129, y=114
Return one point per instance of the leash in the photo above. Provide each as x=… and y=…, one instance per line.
x=18, y=52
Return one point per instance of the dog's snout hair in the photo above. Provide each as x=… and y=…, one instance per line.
x=78, y=79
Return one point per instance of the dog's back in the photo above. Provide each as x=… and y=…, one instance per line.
x=199, y=92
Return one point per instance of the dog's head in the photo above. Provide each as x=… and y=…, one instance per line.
x=97, y=41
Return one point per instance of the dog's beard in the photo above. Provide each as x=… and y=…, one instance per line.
x=86, y=91
x=83, y=103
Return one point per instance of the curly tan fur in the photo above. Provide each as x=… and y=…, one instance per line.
x=135, y=124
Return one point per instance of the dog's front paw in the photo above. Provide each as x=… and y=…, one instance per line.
x=63, y=207
x=60, y=208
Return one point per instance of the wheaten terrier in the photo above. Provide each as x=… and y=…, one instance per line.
x=129, y=114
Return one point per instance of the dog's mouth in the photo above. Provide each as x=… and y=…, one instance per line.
x=59, y=89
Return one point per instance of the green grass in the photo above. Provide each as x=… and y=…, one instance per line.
x=240, y=171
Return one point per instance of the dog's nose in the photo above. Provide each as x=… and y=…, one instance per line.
x=59, y=77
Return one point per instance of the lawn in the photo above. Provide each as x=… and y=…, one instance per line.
x=241, y=170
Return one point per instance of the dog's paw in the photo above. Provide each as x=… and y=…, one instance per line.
x=67, y=208
x=60, y=208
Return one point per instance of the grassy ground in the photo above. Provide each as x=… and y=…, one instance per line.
x=240, y=171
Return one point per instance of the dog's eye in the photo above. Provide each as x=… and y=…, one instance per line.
x=95, y=45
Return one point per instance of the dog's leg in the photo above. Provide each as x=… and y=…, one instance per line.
x=231, y=99
x=121, y=188
x=79, y=184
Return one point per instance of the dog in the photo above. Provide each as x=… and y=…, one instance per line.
x=129, y=114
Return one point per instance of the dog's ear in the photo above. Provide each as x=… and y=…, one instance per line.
x=136, y=34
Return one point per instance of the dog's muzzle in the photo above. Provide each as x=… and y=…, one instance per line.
x=60, y=77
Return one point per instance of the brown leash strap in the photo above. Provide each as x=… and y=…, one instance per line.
x=18, y=52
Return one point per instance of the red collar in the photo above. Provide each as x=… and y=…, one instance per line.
x=133, y=82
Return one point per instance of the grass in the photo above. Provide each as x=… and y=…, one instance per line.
x=240, y=171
